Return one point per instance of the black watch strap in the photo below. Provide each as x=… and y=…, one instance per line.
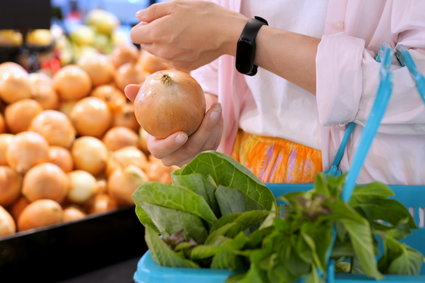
x=246, y=47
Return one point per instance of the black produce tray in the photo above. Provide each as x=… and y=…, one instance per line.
x=70, y=249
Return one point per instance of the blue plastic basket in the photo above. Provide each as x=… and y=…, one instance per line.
x=412, y=197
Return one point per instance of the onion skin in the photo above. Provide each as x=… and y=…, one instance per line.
x=10, y=185
x=61, y=157
x=113, y=97
x=42, y=91
x=123, y=54
x=82, y=186
x=18, y=206
x=45, y=181
x=170, y=101
x=98, y=67
x=14, y=85
x=124, y=117
x=55, y=127
x=40, y=213
x=102, y=203
x=73, y=213
x=5, y=140
x=123, y=182
x=27, y=150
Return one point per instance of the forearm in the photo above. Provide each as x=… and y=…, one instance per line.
x=286, y=54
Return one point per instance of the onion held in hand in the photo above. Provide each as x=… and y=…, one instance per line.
x=170, y=101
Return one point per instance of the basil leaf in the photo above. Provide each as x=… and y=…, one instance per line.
x=370, y=191
x=176, y=197
x=169, y=221
x=162, y=254
x=226, y=172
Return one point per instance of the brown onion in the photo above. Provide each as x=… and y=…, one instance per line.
x=143, y=140
x=5, y=140
x=82, y=186
x=124, y=117
x=150, y=63
x=120, y=137
x=73, y=213
x=66, y=107
x=10, y=185
x=45, y=181
x=113, y=97
x=14, y=85
x=42, y=91
x=7, y=224
x=98, y=67
x=89, y=154
x=27, y=150
x=125, y=157
x=55, y=127
x=158, y=172
x=18, y=206
x=61, y=157
x=168, y=102
x=123, y=182
x=125, y=53
x=101, y=203
x=40, y=213
x=2, y=124
x=72, y=82
x=91, y=117
x=20, y=114
x=128, y=74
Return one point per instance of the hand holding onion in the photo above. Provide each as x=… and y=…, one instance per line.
x=170, y=106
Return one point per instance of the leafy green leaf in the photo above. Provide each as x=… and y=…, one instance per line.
x=227, y=257
x=144, y=218
x=226, y=172
x=200, y=185
x=162, y=254
x=234, y=201
x=314, y=277
x=169, y=221
x=375, y=190
x=175, y=197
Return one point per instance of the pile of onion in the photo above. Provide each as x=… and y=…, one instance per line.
x=61, y=157
x=113, y=97
x=125, y=157
x=128, y=74
x=7, y=224
x=5, y=140
x=123, y=182
x=125, y=53
x=2, y=124
x=14, y=83
x=73, y=213
x=10, y=185
x=40, y=213
x=55, y=127
x=72, y=82
x=150, y=63
x=82, y=186
x=170, y=101
x=120, y=137
x=124, y=117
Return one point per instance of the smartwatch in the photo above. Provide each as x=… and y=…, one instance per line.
x=245, y=49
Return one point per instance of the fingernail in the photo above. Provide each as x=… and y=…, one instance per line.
x=139, y=13
x=181, y=138
x=215, y=113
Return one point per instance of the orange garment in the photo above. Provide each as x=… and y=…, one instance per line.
x=276, y=160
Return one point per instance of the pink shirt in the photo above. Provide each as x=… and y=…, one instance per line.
x=347, y=79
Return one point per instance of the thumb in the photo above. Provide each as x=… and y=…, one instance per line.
x=154, y=12
x=131, y=91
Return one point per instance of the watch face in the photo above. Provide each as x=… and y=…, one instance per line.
x=244, y=58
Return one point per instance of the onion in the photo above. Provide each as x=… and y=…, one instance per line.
x=66, y=107
x=61, y=157
x=150, y=63
x=168, y=102
x=45, y=181
x=55, y=127
x=40, y=213
x=124, y=117
x=91, y=117
x=89, y=154
x=101, y=186
x=125, y=157
x=72, y=82
x=73, y=213
x=128, y=74
x=113, y=97
x=82, y=186
x=26, y=150
x=125, y=53
x=143, y=140
x=7, y=224
x=158, y=172
x=42, y=91
x=20, y=114
x=120, y=137
x=2, y=124
x=123, y=182
x=11, y=67
x=5, y=140
x=98, y=67
x=18, y=206
x=102, y=203
x=10, y=185
x=14, y=85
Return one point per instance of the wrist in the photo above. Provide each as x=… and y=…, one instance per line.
x=231, y=32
